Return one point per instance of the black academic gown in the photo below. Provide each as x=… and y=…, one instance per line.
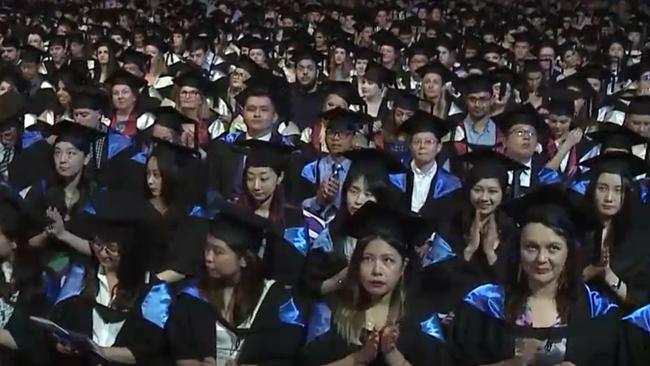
x=539, y=175
x=285, y=253
x=226, y=165
x=143, y=329
x=447, y=276
x=634, y=340
x=421, y=340
x=273, y=338
x=482, y=335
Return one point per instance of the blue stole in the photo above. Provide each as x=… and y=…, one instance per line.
x=73, y=285
x=155, y=307
x=640, y=318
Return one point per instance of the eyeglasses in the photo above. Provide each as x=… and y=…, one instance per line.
x=478, y=100
x=111, y=248
x=189, y=93
x=524, y=133
x=336, y=133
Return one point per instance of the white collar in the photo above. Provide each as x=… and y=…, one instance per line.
x=418, y=171
x=266, y=137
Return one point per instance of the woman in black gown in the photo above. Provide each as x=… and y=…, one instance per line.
x=265, y=172
x=543, y=314
x=471, y=247
x=25, y=288
x=232, y=314
x=618, y=256
x=372, y=319
x=330, y=251
x=106, y=299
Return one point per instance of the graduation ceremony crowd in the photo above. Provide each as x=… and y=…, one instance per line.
x=345, y=183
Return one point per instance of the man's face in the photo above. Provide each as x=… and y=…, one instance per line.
x=57, y=52
x=417, y=61
x=306, y=72
x=521, y=142
x=9, y=54
x=87, y=117
x=479, y=104
x=639, y=123
x=198, y=57
x=28, y=70
x=259, y=114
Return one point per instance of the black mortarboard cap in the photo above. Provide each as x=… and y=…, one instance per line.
x=386, y=38
x=344, y=90
x=267, y=154
x=403, y=99
x=116, y=215
x=487, y=163
x=31, y=54
x=194, y=78
x=561, y=107
x=562, y=205
x=363, y=53
x=420, y=48
x=58, y=40
x=123, y=77
x=12, y=75
x=131, y=56
x=89, y=98
x=78, y=135
x=339, y=119
x=522, y=115
x=379, y=74
x=595, y=71
x=611, y=135
x=308, y=53
x=376, y=159
x=625, y=164
x=11, y=105
x=171, y=118
x=476, y=84
x=375, y=219
x=424, y=122
x=436, y=68
x=639, y=105
x=239, y=228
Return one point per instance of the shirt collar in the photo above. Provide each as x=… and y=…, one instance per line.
x=418, y=171
x=489, y=126
x=266, y=137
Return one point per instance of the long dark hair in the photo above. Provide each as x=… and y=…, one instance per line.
x=246, y=293
x=130, y=272
x=377, y=183
x=55, y=194
x=620, y=222
x=353, y=300
x=276, y=210
x=170, y=173
x=570, y=283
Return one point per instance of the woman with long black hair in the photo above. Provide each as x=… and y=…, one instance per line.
x=326, y=264
x=372, y=320
x=230, y=314
x=106, y=298
x=542, y=313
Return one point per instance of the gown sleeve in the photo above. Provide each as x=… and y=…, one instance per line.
x=634, y=340
x=422, y=342
x=320, y=265
x=187, y=340
x=30, y=339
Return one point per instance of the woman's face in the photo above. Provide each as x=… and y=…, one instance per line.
x=177, y=40
x=609, y=194
x=339, y=56
x=320, y=39
x=360, y=67
x=103, y=55
x=432, y=86
x=257, y=56
x=221, y=261
x=358, y=194
x=616, y=52
x=262, y=182
x=366, y=34
x=153, y=52
x=381, y=268
x=571, y=59
x=543, y=253
x=190, y=97
x=35, y=40
x=369, y=89
x=333, y=101
x=123, y=97
x=534, y=81
x=486, y=195
x=154, y=178
x=68, y=160
x=62, y=94
x=5, y=87
x=107, y=254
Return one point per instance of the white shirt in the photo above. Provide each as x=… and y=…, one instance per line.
x=228, y=347
x=266, y=137
x=565, y=159
x=421, y=185
x=7, y=308
x=104, y=334
x=524, y=177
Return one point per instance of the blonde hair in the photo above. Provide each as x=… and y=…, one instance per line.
x=158, y=66
x=204, y=110
x=440, y=108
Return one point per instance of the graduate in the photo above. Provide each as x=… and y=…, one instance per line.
x=435, y=78
x=26, y=288
x=129, y=106
x=543, y=313
x=427, y=185
x=371, y=319
x=471, y=244
x=231, y=312
x=633, y=341
x=106, y=298
x=373, y=86
x=57, y=205
x=402, y=105
x=617, y=259
x=190, y=98
x=264, y=195
x=323, y=176
x=331, y=248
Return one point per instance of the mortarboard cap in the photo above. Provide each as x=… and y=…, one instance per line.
x=339, y=119
x=379, y=74
x=123, y=77
x=240, y=229
x=131, y=56
x=89, y=98
x=403, y=99
x=31, y=54
x=375, y=159
x=613, y=136
x=425, y=122
x=487, y=163
x=78, y=135
x=522, y=115
x=476, y=84
x=639, y=105
x=171, y=118
x=436, y=68
x=386, y=38
x=267, y=154
x=194, y=78
x=344, y=90
x=561, y=107
x=622, y=163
